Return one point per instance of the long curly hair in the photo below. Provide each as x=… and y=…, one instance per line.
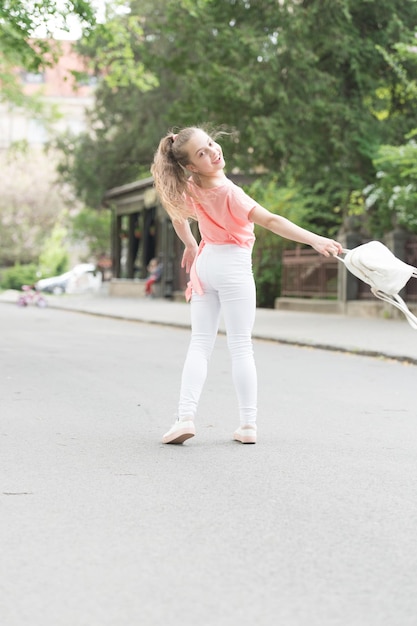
x=170, y=174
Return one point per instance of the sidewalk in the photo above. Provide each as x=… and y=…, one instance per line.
x=392, y=338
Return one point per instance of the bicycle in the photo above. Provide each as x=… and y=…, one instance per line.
x=31, y=296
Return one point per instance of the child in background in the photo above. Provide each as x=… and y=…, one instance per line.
x=155, y=272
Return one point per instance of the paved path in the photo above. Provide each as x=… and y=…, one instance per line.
x=102, y=525
x=369, y=336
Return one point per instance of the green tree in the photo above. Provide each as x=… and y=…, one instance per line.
x=392, y=199
x=291, y=203
x=124, y=128
x=54, y=257
x=304, y=83
x=306, y=86
x=31, y=202
x=92, y=229
x=21, y=47
x=131, y=105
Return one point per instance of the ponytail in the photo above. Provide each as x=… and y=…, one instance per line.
x=170, y=174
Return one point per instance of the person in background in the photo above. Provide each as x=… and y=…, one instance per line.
x=155, y=272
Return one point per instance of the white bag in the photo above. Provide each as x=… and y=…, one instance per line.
x=377, y=266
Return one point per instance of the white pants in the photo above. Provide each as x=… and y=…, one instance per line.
x=225, y=273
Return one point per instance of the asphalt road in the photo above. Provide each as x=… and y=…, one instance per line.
x=102, y=525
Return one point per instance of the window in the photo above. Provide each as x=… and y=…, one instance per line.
x=33, y=78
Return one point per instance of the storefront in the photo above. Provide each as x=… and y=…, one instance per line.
x=141, y=231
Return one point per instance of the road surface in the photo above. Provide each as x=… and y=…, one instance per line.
x=102, y=525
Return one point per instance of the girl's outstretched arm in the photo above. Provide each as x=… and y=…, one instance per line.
x=285, y=228
x=183, y=231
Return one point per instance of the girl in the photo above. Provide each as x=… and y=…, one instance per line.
x=188, y=171
x=154, y=275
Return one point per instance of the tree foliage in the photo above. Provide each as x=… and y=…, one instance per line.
x=306, y=87
x=302, y=82
x=92, y=229
x=111, y=49
x=124, y=129
x=54, y=257
x=291, y=203
x=390, y=200
x=30, y=204
x=21, y=46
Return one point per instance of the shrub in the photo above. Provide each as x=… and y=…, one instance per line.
x=18, y=275
x=267, y=254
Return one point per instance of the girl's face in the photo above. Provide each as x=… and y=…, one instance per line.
x=205, y=155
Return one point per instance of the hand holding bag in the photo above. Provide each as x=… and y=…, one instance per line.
x=377, y=266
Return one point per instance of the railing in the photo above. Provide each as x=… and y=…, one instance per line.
x=307, y=274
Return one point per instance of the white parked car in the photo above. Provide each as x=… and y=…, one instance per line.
x=82, y=278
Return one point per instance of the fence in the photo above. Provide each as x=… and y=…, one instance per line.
x=307, y=274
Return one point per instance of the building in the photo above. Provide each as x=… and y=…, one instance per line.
x=61, y=94
x=23, y=137
x=142, y=230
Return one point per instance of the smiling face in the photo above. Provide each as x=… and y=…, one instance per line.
x=205, y=156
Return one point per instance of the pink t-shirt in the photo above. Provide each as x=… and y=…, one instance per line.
x=223, y=214
x=223, y=218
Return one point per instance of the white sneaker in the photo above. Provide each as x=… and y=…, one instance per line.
x=245, y=434
x=180, y=431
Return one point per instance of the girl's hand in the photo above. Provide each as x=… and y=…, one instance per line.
x=188, y=257
x=183, y=230
x=327, y=247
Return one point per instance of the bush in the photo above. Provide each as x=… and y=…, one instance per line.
x=18, y=275
x=267, y=268
x=54, y=259
x=267, y=254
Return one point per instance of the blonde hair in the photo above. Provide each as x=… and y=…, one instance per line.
x=170, y=174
